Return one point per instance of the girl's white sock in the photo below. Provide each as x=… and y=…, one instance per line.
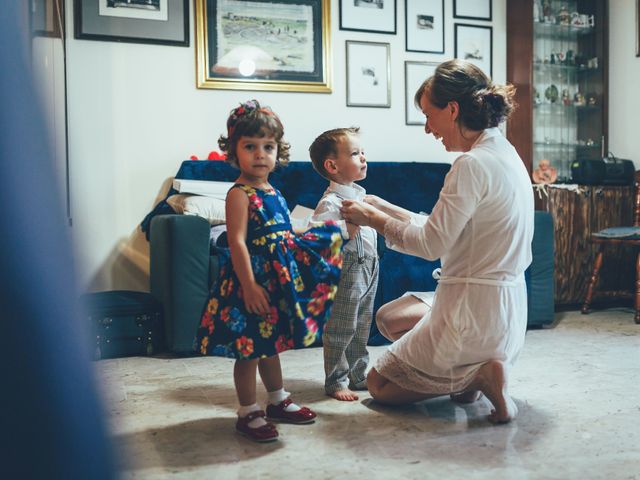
x=245, y=410
x=278, y=396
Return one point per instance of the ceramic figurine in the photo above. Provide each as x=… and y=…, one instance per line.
x=545, y=173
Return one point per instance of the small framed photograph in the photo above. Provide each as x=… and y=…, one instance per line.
x=424, y=26
x=277, y=45
x=414, y=74
x=164, y=22
x=472, y=9
x=474, y=43
x=368, y=74
x=376, y=16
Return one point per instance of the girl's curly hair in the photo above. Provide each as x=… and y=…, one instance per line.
x=252, y=120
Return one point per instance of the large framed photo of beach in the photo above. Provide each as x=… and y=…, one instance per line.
x=474, y=43
x=424, y=26
x=278, y=45
x=414, y=74
x=368, y=74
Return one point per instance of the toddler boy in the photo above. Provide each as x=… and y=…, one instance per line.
x=338, y=157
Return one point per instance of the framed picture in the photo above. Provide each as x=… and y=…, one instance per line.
x=280, y=45
x=424, y=26
x=164, y=22
x=414, y=74
x=376, y=16
x=472, y=9
x=46, y=17
x=637, y=28
x=368, y=74
x=475, y=44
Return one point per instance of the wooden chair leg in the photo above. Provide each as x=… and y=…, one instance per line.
x=594, y=280
x=637, y=316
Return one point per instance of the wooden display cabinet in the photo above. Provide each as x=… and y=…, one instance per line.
x=577, y=212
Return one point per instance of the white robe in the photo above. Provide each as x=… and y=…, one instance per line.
x=481, y=228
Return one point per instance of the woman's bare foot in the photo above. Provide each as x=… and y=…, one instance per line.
x=491, y=380
x=469, y=396
x=344, y=395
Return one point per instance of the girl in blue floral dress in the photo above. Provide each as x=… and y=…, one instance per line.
x=275, y=289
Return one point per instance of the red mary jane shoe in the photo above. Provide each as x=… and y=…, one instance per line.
x=279, y=413
x=265, y=433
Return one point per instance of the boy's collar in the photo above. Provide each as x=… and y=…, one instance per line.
x=352, y=191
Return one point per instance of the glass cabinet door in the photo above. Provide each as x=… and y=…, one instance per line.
x=568, y=86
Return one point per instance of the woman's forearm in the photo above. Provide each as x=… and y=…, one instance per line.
x=395, y=211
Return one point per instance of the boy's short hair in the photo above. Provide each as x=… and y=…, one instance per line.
x=326, y=145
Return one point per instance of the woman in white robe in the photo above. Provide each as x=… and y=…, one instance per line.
x=481, y=229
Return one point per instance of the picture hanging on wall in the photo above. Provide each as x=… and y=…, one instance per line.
x=164, y=22
x=278, y=45
x=414, y=74
x=375, y=16
x=472, y=9
x=474, y=43
x=424, y=26
x=368, y=74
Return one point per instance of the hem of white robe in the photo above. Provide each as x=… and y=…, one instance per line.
x=410, y=378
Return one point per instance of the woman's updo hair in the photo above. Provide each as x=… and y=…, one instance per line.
x=251, y=119
x=482, y=103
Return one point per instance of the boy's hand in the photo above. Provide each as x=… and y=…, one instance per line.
x=352, y=229
x=256, y=299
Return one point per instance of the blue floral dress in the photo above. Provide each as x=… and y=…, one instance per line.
x=300, y=274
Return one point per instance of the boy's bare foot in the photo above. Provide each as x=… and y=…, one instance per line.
x=344, y=395
x=469, y=396
x=491, y=380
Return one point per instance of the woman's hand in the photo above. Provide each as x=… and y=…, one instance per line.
x=256, y=299
x=358, y=213
x=375, y=200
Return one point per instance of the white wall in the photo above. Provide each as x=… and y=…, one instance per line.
x=135, y=114
x=624, y=75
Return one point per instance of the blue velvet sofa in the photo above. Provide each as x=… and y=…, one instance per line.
x=183, y=266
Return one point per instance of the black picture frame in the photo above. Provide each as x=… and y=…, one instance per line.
x=474, y=43
x=423, y=20
x=166, y=25
x=473, y=9
x=261, y=50
x=637, y=28
x=372, y=16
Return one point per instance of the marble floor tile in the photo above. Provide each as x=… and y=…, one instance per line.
x=577, y=386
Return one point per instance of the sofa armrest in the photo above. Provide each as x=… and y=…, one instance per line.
x=541, y=272
x=179, y=275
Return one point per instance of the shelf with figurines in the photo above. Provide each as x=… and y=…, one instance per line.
x=555, y=101
x=548, y=144
x=560, y=22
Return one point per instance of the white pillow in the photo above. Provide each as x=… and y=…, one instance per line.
x=212, y=209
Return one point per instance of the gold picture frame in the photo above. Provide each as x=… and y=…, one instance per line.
x=274, y=45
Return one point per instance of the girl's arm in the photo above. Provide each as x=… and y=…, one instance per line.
x=389, y=208
x=256, y=299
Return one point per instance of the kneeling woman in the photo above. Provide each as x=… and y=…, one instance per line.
x=481, y=228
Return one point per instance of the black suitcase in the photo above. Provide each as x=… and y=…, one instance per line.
x=123, y=323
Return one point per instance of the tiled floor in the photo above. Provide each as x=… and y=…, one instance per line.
x=577, y=386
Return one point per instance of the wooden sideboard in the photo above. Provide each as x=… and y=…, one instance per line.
x=578, y=211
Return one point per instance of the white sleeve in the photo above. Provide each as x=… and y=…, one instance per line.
x=464, y=187
x=326, y=210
